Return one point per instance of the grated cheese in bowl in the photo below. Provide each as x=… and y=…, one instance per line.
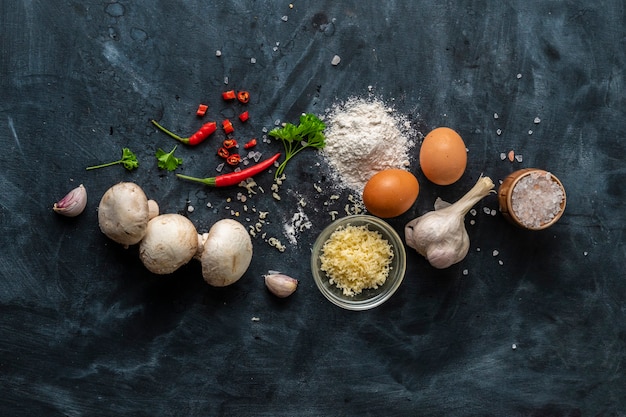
x=358, y=262
x=356, y=258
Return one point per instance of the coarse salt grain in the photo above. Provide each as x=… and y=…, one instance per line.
x=536, y=199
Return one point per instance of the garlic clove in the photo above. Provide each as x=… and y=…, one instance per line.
x=280, y=285
x=73, y=203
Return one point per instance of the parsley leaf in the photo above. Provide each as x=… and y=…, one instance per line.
x=168, y=160
x=129, y=160
x=308, y=133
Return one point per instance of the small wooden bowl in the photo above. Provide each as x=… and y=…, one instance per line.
x=505, y=193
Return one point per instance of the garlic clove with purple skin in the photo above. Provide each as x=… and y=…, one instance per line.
x=73, y=203
x=280, y=285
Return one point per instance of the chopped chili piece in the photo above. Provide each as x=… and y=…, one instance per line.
x=251, y=143
x=243, y=96
x=202, y=108
x=244, y=116
x=201, y=134
x=229, y=143
x=228, y=127
x=233, y=178
x=228, y=95
x=233, y=159
x=223, y=152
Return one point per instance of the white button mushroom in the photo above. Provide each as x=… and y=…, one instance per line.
x=227, y=253
x=123, y=213
x=171, y=240
x=153, y=209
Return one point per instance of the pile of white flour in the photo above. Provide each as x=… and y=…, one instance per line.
x=363, y=137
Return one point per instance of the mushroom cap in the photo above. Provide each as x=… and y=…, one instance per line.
x=123, y=213
x=171, y=240
x=153, y=209
x=227, y=253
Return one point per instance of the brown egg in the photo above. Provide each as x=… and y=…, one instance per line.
x=390, y=192
x=443, y=156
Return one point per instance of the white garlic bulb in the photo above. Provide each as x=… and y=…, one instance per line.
x=440, y=235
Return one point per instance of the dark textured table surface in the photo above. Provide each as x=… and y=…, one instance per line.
x=537, y=330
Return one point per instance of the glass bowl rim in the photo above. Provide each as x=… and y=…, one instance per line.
x=382, y=293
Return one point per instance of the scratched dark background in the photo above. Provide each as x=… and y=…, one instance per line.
x=85, y=329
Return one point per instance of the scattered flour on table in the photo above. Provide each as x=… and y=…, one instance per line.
x=363, y=137
x=299, y=223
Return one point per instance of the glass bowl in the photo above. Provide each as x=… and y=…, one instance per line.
x=368, y=298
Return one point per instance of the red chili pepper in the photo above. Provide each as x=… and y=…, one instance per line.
x=204, y=132
x=233, y=159
x=233, y=178
x=228, y=95
x=202, y=108
x=228, y=127
x=223, y=152
x=251, y=143
x=243, y=96
x=244, y=116
x=229, y=143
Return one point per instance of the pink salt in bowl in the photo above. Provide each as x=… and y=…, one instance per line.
x=532, y=198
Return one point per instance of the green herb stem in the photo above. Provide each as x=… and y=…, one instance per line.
x=309, y=133
x=129, y=160
x=206, y=181
x=104, y=165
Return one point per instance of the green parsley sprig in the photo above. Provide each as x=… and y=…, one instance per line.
x=168, y=160
x=308, y=133
x=129, y=160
